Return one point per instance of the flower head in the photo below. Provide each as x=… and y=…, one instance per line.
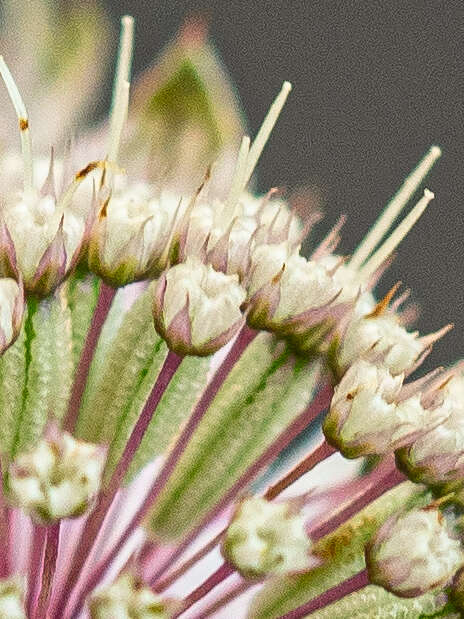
x=278, y=275
x=266, y=538
x=129, y=238
x=128, y=597
x=58, y=479
x=197, y=309
x=42, y=236
x=437, y=457
x=369, y=413
x=413, y=553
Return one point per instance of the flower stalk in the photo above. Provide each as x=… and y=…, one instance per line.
x=105, y=299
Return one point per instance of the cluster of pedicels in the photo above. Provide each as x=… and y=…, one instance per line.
x=221, y=266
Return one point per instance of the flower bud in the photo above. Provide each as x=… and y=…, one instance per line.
x=413, y=553
x=58, y=479
x=382, y=337
x=129, y=237
x=42, y=235
x=266, y=538
x=362, y=416
x=283, y=287
x=370, y=415
x=11, y=599
x=128, y=597
x=11, y=311
x=437, y=457
x=197, y=309
x=229, y=235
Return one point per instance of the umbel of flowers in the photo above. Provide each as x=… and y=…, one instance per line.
x=137, y=418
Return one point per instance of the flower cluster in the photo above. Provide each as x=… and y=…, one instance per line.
x=125, y=439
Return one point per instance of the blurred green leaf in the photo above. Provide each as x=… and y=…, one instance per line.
x=184, y=112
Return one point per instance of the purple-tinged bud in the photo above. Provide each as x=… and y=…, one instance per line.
x=130, y=235
x=437, y=457
x=413, y=553
x=41, y=235
x=196, y=309
x=11, y=311
x=370, y=414
x=286, y=292
x=381, y=336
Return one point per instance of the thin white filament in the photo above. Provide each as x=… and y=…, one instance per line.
x=120, y=100
x=394, y=207
x=396, y=236
x=238, y=179
x=265, y=131
x=23, y=119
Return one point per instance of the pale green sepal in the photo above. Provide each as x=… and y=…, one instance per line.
x=114, y=383
x=82, y=293
x=375, y=603
x=342, y=553
x=265, y=391
x=12, y=379
x=174, y=408
x=36, y=374
x=50, y=372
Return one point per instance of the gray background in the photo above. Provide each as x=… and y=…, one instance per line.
x=375, y=83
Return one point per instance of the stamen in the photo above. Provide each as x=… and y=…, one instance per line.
x=118, y=120
x=238, y=179
x=121, y=85
x=396, y=236
x=265, y=131
x=23, y=119
x=394, y=207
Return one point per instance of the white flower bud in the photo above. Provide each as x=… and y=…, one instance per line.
x=45, y=238
x=58, y=479
x=364, y=417
x=11, y=600
x=380, y=337
x=11, y=311
x=266, y=538
x=413, y=553
x=127, y=598
x=129, y=238
x=197, y=309
x=352, y=286
x=283, y=286
x=437, y=457
x=231, y=236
